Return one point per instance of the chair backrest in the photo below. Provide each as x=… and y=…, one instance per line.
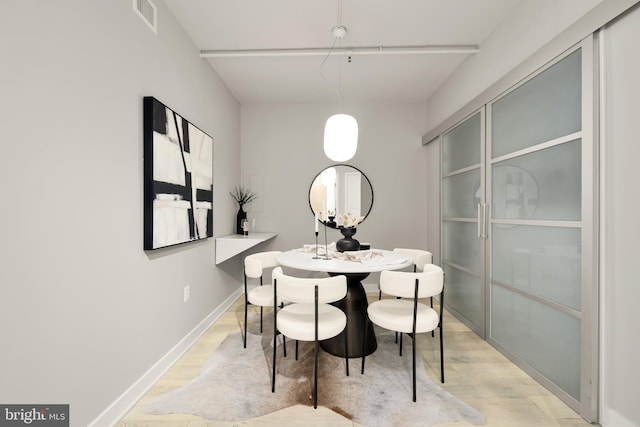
x=419, y=257
x=255, y=263
x=403, y=283
x=302, y=290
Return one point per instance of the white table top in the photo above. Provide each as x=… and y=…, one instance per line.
x=301, y=260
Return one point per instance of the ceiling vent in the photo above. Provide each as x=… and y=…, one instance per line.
x=147, y=11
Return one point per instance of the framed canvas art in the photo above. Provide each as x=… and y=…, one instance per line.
x=178, y=178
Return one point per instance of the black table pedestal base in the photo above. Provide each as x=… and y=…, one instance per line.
x=354, y=306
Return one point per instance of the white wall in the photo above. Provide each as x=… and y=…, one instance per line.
x=621, y=230
x=282, y=152
x=84, y=311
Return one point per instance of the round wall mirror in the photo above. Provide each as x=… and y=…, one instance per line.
x=339, y=190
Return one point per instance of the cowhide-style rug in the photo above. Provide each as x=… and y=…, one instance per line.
x=235, y=385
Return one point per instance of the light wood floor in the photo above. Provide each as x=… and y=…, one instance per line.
x=474, y=372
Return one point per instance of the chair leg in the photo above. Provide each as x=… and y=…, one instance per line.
x=364, y=343
x=284, y=345
x=244, y=340
x=275, y=338
x=397, y=334
x=441, y=357
x=315, y=376
x=414, y=366
x=400, y=333
x=346, y=351
x=273, y=372
x=379, y=295
x=260, y=319
x=297, y=349
x=433, y=330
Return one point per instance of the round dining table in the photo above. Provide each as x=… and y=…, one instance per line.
x=355, y=303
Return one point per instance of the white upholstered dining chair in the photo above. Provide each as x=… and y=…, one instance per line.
x=419, y=258
x=308, y=316
x=408, y=315
x=262, y=295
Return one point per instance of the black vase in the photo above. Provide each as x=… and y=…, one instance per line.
x=241, y=215
x=347, y=243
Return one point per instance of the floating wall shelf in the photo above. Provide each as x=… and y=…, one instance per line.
x=234, y=244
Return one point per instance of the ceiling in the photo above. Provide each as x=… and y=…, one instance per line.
x=323, y=77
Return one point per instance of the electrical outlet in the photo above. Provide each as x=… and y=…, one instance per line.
x=187, y=293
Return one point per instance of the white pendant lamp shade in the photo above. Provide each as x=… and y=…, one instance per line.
x=340, y=137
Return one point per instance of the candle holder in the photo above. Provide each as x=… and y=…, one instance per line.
x=326, y=251
x=316, y=257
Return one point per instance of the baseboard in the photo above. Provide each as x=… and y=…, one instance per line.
x=611, y=418
x=118, y=409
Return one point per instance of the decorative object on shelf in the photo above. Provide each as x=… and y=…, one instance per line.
x=242, y=195
x=349, y=220
x=348, y=243
x=315, y=223
x=240, y=217
x=178, y=178
x=326, y=249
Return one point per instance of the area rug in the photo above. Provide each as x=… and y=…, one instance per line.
x=235, y=384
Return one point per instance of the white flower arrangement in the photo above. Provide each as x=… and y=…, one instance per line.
x=349, y=220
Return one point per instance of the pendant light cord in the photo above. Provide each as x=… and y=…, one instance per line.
x=336, y=39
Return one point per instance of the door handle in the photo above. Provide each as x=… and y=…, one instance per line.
x=485, y=220
x=483, y=209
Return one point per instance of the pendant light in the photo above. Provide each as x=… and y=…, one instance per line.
x=340, y=130
x=340, y=137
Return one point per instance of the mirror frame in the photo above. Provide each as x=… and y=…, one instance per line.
x=332, y=166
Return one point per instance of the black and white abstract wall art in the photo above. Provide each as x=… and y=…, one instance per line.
x=178, y=178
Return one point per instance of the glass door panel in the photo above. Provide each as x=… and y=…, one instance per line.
x=542, y=185
x=464, y=294
x=544, y=108
x=461, y=146
x=541, y=261
x=543, y=337
x=462, y=196
x=518, y=228
x=535, y=190
x=458, y=250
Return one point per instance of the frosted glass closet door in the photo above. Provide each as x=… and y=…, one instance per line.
x=462, y=245
x=535, y=192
